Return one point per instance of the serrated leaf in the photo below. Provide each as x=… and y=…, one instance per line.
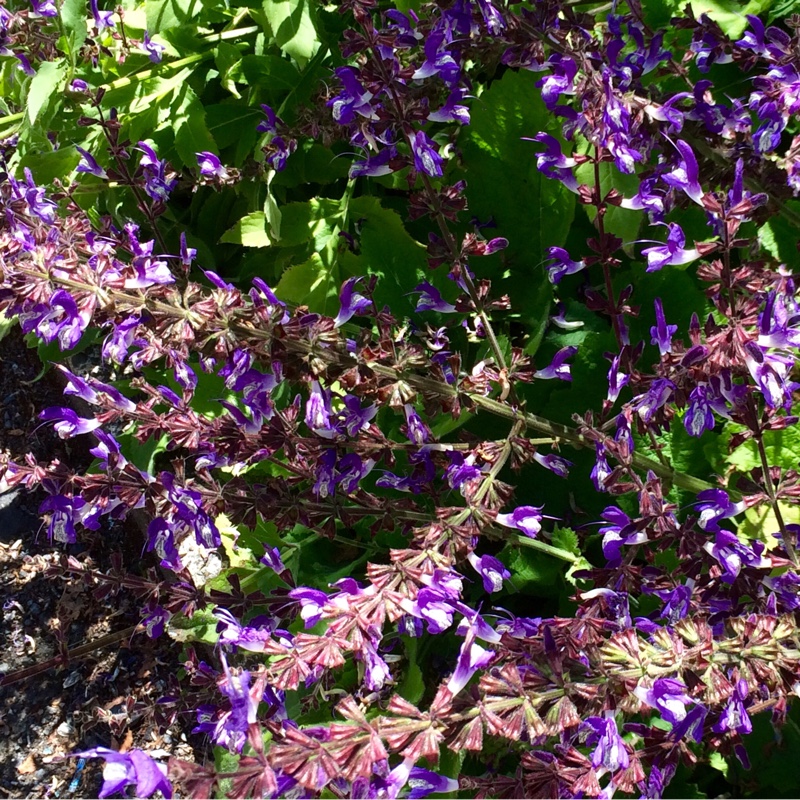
x=304, y=222
x=311, y=284
x=249, y=231
x=533, y=212
x=231, y=123
x=165, y=14
x=270, y=72
x=48, y=165
x=503, y=183
x=45, y=90
x=779, y=237
x=532, y=572
x=292, y=27
x=73, y=18
x=188, y=120
x=566, y=539
x=730, y=15
x=388, y=251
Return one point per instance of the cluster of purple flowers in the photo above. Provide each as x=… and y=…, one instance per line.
x=318, y=430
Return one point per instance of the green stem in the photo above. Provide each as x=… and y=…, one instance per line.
x=556, y=552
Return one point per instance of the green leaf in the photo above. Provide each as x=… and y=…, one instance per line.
x=782, y=449
x=388, y=251
x=503, y=183
x=566, y=539
x=270, y=72
x=165, y=14
x=73, y=18
x=188, y=120
x=532, y=572
x=412, y=687
x=729, y=14
x=311, y=284
x=302, y=222
x=225, y=58
x=292, y=27
x=45, y=90
x=48, y=165
x=232, y=124
x=779, y=237
x=249, y=231
x=531, y=211
x=200, y=627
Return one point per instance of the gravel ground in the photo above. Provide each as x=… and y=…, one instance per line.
x=106, y=694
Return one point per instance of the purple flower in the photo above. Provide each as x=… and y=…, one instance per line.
x=492, y=571
x=671, y=252
x=376, y=671
x=426, y=159
x=352, y=99
x=353, y=418
x=210, y=165
x=89, y=165
x=770, y=371
x=270, y=124
x=68, y=423
x=350, y=471
x=653, y=399
x=619, y=531
x=558, y=368
x=45, y=8
x=154, y=50
x=733, y=555
x=662, y=333
x=554, y=164
x=555, y=463
x=63, y=511
x=564, y=70
x=155, y=620
x=699, y=417
x=686, y=175
x=616, y=379
x=102, y=19
x=677, y=602
x=375, y=165
x=734, y=717
x=272, y=558
x=424, y=782
x=119, y=341
x=562, y=264
x=430, y=299
x=160, y=538
x=124, y=769
x=452, y=110
x=669, y=697
x=527, y=519
x=601, y=469
x=318, y=411
x=156, y=185
x=438, y=60
x=610, y=751
x=352, y=303
x=416, y=430
x=471, y=658
x=311, y=603
x=461, y=470
x=714, y=505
